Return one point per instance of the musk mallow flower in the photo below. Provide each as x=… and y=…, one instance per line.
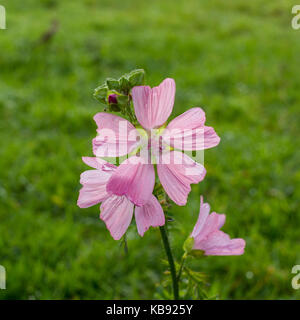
x=209, y=238
x=116, y=211
x=155, y=143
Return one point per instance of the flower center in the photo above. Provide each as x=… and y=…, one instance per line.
x=152, y=146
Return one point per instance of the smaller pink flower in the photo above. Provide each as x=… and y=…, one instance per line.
x=210, y=239
x=116, y=211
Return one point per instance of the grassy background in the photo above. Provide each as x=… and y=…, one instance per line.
x=238, y=60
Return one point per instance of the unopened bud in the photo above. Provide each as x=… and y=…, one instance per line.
x=123, y=101
x=136, y=77
x=113, y=84
x=188, y=245
x=124, y=85
x=112, y=99
x=100, y=93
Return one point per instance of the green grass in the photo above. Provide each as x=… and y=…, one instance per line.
x=238, y=60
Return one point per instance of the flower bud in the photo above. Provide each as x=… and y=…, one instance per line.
x=112, y=99
x=113, y=102
x=113, y=84
x=188, y=245
x=123, y=101
x=100, y=93
x=124, y=85
x=136, y=77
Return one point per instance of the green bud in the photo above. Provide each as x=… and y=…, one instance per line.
x=113, y=84
x=123, y=101
x=114, y=107
x=124, y=85
x=188, y=245
x=196, y=253
x=136, y=77
x=100, y=93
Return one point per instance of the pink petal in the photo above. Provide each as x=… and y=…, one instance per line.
x=219, y=243
x=98, y=163
x=192, y=118
x=177, y=172
x=134, y=179
x=94, y=177
x=154, y=106
x=188, y=132
x=149, y=215
x=116, y=136
x=221, y=219
x=203, y=214
x=94, y=187
x=117, y=213
x=211, y=139
x=211, y=225
x=89, y=196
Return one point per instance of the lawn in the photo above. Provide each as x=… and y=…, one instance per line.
x=237, y=60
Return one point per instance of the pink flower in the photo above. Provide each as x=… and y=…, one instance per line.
x=208, y=237
x=116, y=211
x=135, y=177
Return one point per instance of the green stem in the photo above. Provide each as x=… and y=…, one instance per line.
x=181, y=267
x=165, y=240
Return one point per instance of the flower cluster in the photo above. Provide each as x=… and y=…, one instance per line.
x=154, y=156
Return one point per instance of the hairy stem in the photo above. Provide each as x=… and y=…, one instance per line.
x=165, y=240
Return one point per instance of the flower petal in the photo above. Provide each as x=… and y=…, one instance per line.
x=94, y=187
x=188, y=132
x=176, y=173
x=94, y=177
x=212, y=223
x=149, y=215
x=221, y=219
x=133, y=178
x=203, y=214
x=117, y=213
x=116, y=136
x=154, y=106
x=219, y=243
x=211, y=139
x=98, y=163
x=192, y=118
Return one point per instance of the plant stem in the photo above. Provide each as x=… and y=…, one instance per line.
x=181, y=267
x=165, y=240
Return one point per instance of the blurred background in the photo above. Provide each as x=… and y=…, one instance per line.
x=238, y=60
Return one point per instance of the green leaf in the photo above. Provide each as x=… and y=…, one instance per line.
x=196, y=253
x=124, y=84
x=136, y=77
x=188, y=245
x=113, y=84
x=123, y=101
x=101, y=92
x=198, y=276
